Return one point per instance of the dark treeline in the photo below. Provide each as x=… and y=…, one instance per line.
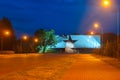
x=109, y=41
x=110, y=46
x=7, y=42
x=10, y=43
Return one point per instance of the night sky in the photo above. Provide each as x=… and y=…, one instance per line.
x=64, y=16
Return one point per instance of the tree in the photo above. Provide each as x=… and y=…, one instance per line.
x=46, y=38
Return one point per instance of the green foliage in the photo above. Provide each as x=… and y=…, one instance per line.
x=46, y=38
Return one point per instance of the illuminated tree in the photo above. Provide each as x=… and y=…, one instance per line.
x=46, y=38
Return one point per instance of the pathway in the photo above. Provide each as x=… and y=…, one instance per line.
x=88, y=67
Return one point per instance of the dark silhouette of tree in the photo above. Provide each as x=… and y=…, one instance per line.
x=46, y=38
x=110, y=37
x=8, y=41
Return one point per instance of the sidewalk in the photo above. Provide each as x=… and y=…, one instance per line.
x=88, y=67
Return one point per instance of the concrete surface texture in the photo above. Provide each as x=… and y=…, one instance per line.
x=88, y=67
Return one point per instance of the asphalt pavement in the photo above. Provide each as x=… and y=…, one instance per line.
x=88, y=67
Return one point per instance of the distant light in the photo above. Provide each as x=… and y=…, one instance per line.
x=96, y=25
x=36, y=40
x=7, y=33
x=106, y=2
x=25, y=37
x=92, y=33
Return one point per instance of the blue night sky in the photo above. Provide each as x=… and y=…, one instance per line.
x=64, y=16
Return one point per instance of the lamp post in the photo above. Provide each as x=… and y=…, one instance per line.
x=97, y=25
x=36, y=40
x=92, y=33
x=107, y=3
x=118, y=32
x=35, y=43
x=6, y=33
x=1, y=43
x=24, y=37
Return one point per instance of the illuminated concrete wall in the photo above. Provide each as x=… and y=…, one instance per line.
x=83, y=41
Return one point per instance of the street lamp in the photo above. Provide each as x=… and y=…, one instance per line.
x=6, y=33
x=118, y=32
x=92, y=33
x=36, y=40
x=97, y=25
x=35, y=43
x=24, y=37
x=107, y=3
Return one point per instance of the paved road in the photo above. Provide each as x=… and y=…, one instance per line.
x=88, y=67
x=14, y=64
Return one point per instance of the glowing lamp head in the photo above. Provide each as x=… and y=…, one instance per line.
x=92, y=33
x=7, y=33
x=36, y=40
x=106, y=3
x=96, y=25
x=25, y=37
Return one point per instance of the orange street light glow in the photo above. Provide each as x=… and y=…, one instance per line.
x=106, y=3
x=36, y=40
x=25, y=37
x=92, y=33
x=7, y=33
x=96, y=25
